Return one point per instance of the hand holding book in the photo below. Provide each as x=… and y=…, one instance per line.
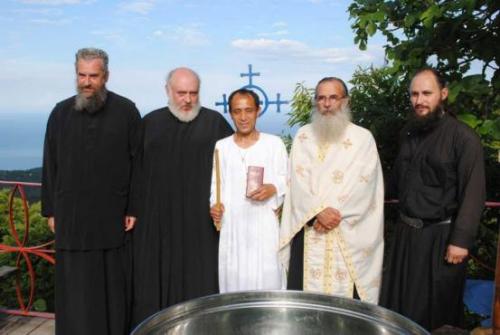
x=256, y=189
x=263, y=193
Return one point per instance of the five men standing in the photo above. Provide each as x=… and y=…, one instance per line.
x=331, y=233
x=90, y=144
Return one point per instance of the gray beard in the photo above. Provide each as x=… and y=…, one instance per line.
x=184, y=116
x=329, y=128
x=91, y=104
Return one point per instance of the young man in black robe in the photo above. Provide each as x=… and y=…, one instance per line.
x=175, y=242
x=89, y=147
x=440, y=184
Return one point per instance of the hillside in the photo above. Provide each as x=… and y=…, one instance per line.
x=31, y=175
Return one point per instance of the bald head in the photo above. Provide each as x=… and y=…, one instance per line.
x=182, y=74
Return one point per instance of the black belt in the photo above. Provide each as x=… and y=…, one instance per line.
x=419, y=223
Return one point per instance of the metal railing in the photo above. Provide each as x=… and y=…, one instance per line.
x=24, y=250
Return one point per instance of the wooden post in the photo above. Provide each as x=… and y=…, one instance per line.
x=217, y=186
x=496, y=301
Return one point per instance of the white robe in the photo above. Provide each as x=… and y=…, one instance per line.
x=345, y=175
x=248, y=246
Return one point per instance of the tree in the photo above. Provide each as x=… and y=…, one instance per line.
x=454, y=36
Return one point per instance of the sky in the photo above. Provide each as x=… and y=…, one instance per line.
x=286, y=42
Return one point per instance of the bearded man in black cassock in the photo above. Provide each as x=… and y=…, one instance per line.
x=440, y=184
x=175, y=242
x=90, y=144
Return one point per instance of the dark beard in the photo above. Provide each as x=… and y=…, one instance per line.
x=422, y=124
x=91, y=104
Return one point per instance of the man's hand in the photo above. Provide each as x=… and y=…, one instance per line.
x=216, y=212
x=327, y=219
x=263, y=193
x=51, y=222
x=130, y=222
x=456, y=255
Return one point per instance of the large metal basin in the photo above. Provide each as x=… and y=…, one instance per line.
x=276, y=312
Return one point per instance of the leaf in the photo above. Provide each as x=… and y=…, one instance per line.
x=362, y=45
x=471, y=81
x=428, y=16
x=495, y=129
x=40, y=305
x=378, y=15
x=470, y=119
x=486, y=127
x=371, y=28
x=362, y=23
x=453, y=91
x=410, y=20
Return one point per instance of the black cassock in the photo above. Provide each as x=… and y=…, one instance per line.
x=87, y=168
x=175, y=242
x=439, y=175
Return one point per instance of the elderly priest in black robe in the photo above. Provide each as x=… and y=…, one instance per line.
x=440, y=184
x=89, y=147
x=175, y=242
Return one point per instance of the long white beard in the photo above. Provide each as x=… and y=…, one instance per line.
x=182, y=115
x=329, y=128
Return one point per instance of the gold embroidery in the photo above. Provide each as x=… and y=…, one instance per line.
x=338, y=177
x=347, y=143
x=342, y=198
x=364, y=178
x=340, y=275
x=322, y=151
x=354, y=276
x=315, y=273
x=328, y=264
x=372, y=206
x=300, y=170
x=303, y=137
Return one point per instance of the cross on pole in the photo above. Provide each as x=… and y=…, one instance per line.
x=223, y=103
x=278, y=102
x=250, y=74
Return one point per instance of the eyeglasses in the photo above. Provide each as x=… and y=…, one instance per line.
x=334, y=97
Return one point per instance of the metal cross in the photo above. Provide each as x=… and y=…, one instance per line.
x=223, y=103
x=278, y=102
x=250, y=74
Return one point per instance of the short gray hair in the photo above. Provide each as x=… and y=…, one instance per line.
x=332, y=79
x=92, y=53
x=168, y=79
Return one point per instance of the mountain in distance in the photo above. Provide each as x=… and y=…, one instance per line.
x=31, y=175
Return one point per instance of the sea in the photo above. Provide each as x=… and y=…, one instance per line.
x=22, y=135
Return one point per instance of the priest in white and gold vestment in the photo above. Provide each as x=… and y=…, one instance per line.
x=331, y=234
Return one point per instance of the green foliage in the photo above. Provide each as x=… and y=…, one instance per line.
x=38, y=234
x=380, y=103
x=453, y=35
x=301, y=105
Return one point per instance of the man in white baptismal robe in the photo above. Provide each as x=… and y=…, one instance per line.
x=331, y=235
x=249, y=236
